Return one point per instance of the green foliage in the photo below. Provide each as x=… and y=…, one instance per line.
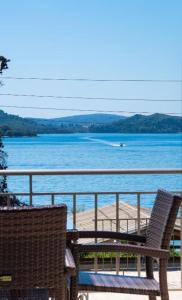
x=174, y=253
x=3, y=181
x=3, y=155
x=106, y=255
x=3, y=63
x=3, y=166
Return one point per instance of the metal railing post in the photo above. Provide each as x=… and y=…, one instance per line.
x=8, y=200
x=96, y=228
x=117, y=229
x=138, y=231
x=52, y=199
x=181, y=241
x=74, y=211
x=30, y=189
x=117, y=212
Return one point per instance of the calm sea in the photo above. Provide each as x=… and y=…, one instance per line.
x=95, y=151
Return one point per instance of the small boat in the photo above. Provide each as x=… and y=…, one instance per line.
x=122, y=145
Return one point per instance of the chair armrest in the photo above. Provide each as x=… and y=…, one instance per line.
x=70, y=266
x=112, y=235
x=72, y=235
x=116, y=247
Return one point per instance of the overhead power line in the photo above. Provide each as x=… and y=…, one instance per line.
x=92, y=79
x=86, y=110
x=90, y=98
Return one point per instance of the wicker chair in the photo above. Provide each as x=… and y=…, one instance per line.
x=34, y=262
x=154, y=245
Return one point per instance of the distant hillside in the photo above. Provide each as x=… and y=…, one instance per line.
x=12, y=125
x=81, y=119
x=90, y=119
x=156, y=123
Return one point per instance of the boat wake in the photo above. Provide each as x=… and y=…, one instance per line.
x=106, y=142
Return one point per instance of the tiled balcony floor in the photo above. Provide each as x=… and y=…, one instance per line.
x=174, y=278
x=111, y=296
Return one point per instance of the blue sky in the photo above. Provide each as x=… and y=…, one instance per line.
x=126, y=39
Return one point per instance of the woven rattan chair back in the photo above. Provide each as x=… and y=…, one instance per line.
x=162, y=220
x=32, y=247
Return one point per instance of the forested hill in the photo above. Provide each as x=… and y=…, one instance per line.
x=155, y=123
x=11, y=125
x=80, y=119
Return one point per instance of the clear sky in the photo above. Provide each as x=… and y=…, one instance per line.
x=125, y=39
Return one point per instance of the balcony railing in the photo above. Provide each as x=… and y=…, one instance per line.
x=132, y=223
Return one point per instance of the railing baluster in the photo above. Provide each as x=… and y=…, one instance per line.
x=117, y=212
x=96, y=228
x=8, y=200
x=181, y=241
x=30, y=190
x=138, y=231
x=74, y=211
x=117, y=229
x=52, y=199
x=96, y=211
x=127, y=262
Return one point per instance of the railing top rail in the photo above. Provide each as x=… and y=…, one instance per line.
x=84, y=193
x=29, y=172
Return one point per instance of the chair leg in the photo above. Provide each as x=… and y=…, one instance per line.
x=149, y=267
x=163, y=279
x=152, y=298
x=165, y=297
x=73, y=288
x=67, y=297
x=58, y=295
x=149, y=272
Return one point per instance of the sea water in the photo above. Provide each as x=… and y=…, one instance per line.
x=95, y=151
